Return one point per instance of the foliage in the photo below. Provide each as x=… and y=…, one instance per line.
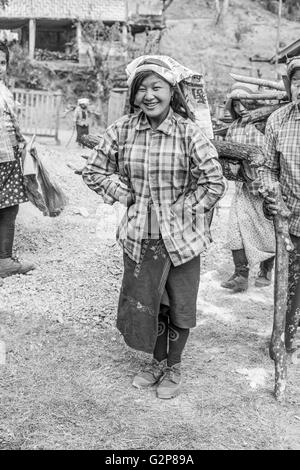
x=3, y=3
x=291, y=8
x=27, y=75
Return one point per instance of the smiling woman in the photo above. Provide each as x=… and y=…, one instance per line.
x=153, y=97
x=169, y=178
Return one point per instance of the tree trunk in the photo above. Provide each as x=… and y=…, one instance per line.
x=229, y=150
x=221, y=10
x=258, y=81
x=253, y=154
x=280, y=96
x=284, y=245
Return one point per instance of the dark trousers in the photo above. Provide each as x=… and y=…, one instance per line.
x=7, y=230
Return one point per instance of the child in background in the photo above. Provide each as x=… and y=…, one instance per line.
x=81, y=118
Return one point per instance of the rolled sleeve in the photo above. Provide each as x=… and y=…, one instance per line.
x=269, y=172
x=207, y=172
x=101, y=170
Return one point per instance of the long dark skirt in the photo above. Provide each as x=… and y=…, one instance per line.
x=141, y=294
x=81, y=130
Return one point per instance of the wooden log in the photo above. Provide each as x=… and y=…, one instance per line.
x=259, y=115
x=262, y=113
x=284, y=246
x=258, y=81
x=253, y=154
x=280, y=96
x=90, y=140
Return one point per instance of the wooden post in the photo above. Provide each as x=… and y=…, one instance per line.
x=58, y=104
x=284, y=246
x=79, y=39
x=116, y=104
x=32, y=36
x=278, y=38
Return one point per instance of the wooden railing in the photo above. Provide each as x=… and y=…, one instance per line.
x=38, y=112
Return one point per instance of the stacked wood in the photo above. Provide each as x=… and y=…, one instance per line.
x=279, y=93
x=258, y=115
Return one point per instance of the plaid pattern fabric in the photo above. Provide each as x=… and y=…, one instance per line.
x=247, y=134
x=282, y=147
x=174, y=167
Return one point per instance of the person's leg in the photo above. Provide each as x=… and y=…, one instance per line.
x=7, y=230
x=182, y=287
x=264, y=277
x=170, y=384
x=238, y=282
x=160, y=352
x=8, y=265
x=153, y=372
x=177, y=341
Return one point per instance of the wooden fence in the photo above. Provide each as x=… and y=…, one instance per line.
x=38, y=112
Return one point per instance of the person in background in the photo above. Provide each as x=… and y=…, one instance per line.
x=81, y=119
x=251, y=235
x=12, y=190
x=169, y=177
x=282, y=148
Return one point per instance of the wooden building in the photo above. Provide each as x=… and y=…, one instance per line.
x=53, y=24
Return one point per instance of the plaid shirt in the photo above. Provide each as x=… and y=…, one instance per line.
x=282, y=147
x=173, y=167
x=247, y=134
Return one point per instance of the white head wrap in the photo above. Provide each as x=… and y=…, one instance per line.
x=85, y=101
x=193, y=86
x=292, y=65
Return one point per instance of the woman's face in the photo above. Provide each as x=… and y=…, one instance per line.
x=3, y=65
x=240, y=108
x=154, y=98
x=295, y=86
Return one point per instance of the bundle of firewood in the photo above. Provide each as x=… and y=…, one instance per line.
x=267, y=101
x=228, y=152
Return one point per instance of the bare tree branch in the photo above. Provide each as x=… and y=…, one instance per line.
x=166, y=4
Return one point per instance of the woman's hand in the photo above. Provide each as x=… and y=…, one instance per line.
x=271, y=206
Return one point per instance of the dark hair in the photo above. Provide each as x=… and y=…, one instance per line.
x=178, y=103
x=4, y=48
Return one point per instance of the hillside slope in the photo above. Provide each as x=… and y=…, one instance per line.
x=193, y=38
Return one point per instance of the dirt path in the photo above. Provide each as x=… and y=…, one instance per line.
x=67, y=379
